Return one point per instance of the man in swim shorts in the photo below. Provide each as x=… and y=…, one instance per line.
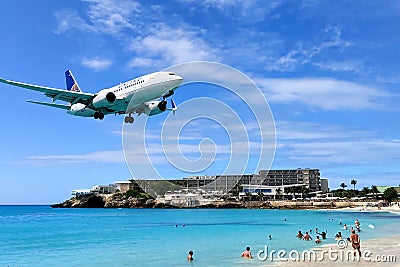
x=355, y=242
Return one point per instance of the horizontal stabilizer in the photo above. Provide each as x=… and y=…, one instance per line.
x=51, y=104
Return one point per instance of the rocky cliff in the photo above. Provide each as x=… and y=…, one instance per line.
x=124, y=201
x=121, y=201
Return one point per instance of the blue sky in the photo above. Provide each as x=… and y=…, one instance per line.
x=329, y=70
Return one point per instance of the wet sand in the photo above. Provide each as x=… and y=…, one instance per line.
x=394, y=208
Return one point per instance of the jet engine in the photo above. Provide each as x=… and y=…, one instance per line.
x=104, y=100
x=157, y=107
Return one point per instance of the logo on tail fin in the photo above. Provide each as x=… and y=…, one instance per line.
x=72, y=85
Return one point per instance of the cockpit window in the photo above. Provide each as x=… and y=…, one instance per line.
x=171, y=73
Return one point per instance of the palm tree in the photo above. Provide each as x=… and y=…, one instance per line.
x=260, y=195
x=295, y=191
x=353, y=182
x=343, y=185
x=374, y=190
x=365, y=191
x=289, y=190
x=278, y=192
x=304, y=190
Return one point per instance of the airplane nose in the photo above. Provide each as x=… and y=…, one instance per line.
x=178, y=78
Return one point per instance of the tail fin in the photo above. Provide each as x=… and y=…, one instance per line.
x=72, y=85
x=173, y=107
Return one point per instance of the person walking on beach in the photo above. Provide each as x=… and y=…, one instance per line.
x=355, y=242
x=190, y=256
x=247, y=254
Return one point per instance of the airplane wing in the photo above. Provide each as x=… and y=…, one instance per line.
x=53, y=105
x=54, y=93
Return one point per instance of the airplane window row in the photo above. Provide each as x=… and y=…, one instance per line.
x=142, y=81
x=136, y=83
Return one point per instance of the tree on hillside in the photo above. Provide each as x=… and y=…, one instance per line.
x=390, y=194
x=132, y=185
x=353, y=182
x=343, y=185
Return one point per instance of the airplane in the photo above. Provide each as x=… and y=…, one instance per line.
x=134, y=96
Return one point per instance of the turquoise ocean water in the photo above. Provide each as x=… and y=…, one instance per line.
x=41, y=236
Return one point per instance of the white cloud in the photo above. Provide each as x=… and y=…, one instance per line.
x=92, y=157
x=104, y=16
x=169, y=46
x=255, y=10
x=330, y=145
x=304, y=54
x=323, y=93
x=292, y=130
x=96, y=64
x=109, y=16
x=69, y=19
x=365, y=152
x=344, y=66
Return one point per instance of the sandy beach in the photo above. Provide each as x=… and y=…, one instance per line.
x=375, y=252
x=394, y=208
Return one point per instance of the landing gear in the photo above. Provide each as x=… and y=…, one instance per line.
x=98, y=115
x=128, y=119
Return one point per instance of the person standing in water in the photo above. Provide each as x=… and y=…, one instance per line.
x=247, y=254
x=299, y=235
x=307, y=237
x=190, y=256
x=323, y=234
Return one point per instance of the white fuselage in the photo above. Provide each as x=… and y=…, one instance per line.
x=140, y=90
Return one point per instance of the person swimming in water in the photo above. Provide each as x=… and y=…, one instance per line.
x=339, y=236
x=190, y=256
x=323, y=234
x=247, y=254
x=299, y=234
x=307, y=237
